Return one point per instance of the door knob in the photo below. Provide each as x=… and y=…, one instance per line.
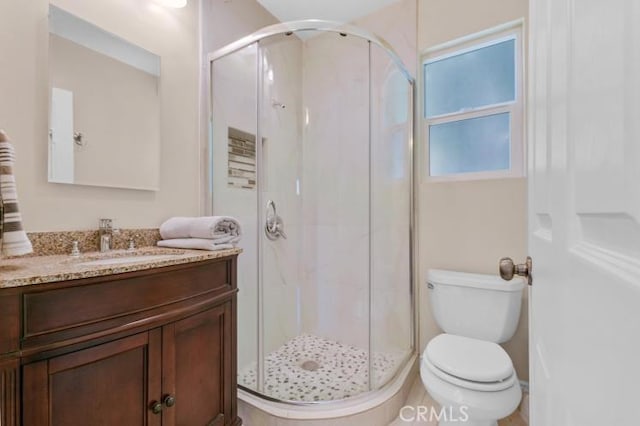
x=508, y=269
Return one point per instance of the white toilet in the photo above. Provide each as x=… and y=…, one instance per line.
x=464, y=369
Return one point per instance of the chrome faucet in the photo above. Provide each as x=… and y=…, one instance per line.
x=106, y=234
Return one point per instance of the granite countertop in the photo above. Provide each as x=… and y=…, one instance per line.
x=18, y=272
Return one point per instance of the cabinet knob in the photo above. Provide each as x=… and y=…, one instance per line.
x=156, y=408
x=169, y=400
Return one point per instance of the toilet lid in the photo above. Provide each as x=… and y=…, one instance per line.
x=469, y=359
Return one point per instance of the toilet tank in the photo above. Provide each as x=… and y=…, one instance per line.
x=481, y=306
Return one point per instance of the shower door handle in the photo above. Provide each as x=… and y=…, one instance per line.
x=274, y=226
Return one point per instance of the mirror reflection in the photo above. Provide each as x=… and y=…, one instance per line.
x=104, y=111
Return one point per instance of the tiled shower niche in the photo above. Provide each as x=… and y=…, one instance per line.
x=242, y=159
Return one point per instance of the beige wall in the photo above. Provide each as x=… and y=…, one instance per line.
x=468, y=226
x=397, y=24
x=224, y=22
x=117, y=109
x=170, y=33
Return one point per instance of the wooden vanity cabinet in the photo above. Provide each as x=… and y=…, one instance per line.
x=109, y=384
x=154, y=347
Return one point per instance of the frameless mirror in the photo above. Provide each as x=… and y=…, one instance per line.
x=104, y=107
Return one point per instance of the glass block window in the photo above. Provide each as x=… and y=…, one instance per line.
x=473, y=107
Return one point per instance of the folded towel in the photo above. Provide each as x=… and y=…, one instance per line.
x=13, y=239
x=221, y=229
x=194, y=243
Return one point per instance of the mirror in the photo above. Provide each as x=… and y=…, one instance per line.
x=104, y=107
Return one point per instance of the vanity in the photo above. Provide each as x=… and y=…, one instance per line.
x=91, y=342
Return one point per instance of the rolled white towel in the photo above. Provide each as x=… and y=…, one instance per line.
x=215, y=227
x=222, y=229
x=194, y=244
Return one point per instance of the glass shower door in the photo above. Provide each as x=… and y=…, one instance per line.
x=234, y=188
x=314, y=186
x=391, y=171
x=279, y=86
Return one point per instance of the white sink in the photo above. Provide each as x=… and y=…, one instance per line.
x=128, y=259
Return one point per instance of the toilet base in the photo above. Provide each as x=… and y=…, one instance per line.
x=468, y=423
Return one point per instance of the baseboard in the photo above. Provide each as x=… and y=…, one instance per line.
x=524, y=407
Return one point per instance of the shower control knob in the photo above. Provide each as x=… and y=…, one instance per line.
x=508, y=269
x=274, y=226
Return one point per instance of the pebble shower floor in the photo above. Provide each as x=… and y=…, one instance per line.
x=309, y=368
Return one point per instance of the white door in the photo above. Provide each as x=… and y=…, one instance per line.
x=584, y=212
x=61, y=146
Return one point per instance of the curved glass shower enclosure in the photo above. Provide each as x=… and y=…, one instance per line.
x=311, y=149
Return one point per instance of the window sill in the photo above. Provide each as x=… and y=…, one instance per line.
x=465, y=177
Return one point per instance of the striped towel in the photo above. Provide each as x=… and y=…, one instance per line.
x=13, y=239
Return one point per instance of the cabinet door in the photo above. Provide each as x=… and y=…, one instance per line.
x=197, y=369
x=110, y=384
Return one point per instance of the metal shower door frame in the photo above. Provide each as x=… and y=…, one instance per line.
x=289, y=28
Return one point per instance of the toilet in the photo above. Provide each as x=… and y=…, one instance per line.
x=464, y=369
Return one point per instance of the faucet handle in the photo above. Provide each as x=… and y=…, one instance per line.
x=75, y=251
x=105, y=223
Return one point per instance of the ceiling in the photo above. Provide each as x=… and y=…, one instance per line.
x=331, y=10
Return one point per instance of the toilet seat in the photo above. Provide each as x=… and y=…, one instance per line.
x=469, y=363
x=483, y=407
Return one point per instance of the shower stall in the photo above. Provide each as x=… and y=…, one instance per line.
x=311, y=133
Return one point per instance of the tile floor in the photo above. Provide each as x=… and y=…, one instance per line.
x=419, y=396
x=311, y=368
